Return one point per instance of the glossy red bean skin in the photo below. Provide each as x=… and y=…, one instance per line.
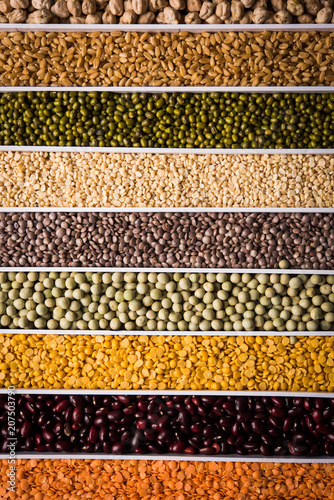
x=63, y=445
x=26, y=429
x=61, y=406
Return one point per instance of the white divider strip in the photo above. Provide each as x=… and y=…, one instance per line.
x=169, y=28
x=166, y=210
x=166, y=270
x=168, y=333
x=171, y=392
x=185, y=458
x=188, y=90
x=88, y=149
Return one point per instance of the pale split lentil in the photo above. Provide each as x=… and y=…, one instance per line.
x=167, y=362
x=63, y=179
x=166, y=59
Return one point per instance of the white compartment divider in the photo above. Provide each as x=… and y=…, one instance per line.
x=193, y=151
x=185, y=90
x=166, y=333
x=169, y=392
x=185, y=458
x=166, y=210
x=164, y=28
x=165, y=270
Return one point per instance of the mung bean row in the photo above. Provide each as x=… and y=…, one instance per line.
x=167, y=362
x=231, y=240
x=177, y=120
x=154, y=180
x=168, y=480
x=166, y=59
x=166, y=301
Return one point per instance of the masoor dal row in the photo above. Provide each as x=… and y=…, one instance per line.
x=165, y=180
x=167, y=362
x=166, y=480
x=166, y=59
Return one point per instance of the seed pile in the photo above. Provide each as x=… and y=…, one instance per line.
x=190, y=425
x=232, y=240
x=168, y=480
x=204, y=120
x=167, y=362
x=166, y=59
x=146, y=180
x=166, y=301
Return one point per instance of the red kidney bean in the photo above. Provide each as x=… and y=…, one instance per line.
x=40, y=447
x=87, y=448
x=317, y=416
x=67, y=429
x=26, y=429
x=329, y=449
x=38, y=439
x=113, y=436
x=319, y=403
x=251, y=447
x=244, y=417
x=31, y=407
x=100, y=420
x=124, y=399
x=154, y=448
x=177, y=447
x=323, y=429
x=61, y=406
x=84, y=431
x=265, y=450
x=58, y=428
x=115, y=416
x=235, y=429
x=229, y=407
x=48, y=436
x=68, y=413
x=258, y=426
x=276, y=422
x=287, y=424
x=5, y=432
x=141, y=424
x=77, y=415
x=4, y=446
x=106, y=446
x=118, y=448
x=278, y=412
x=307, y=404
x=93, y=435
x=102, y=411
x=296, y=411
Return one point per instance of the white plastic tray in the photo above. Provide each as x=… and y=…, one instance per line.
x=169, y=28
x=167, y=209
x=186, y=458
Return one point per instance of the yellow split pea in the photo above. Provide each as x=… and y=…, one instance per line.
x=167, y=362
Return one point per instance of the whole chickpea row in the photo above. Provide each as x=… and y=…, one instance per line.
x=166, y=11
x=169, y=479
x=143, y=362
x=214, y=240
x=166, y=301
